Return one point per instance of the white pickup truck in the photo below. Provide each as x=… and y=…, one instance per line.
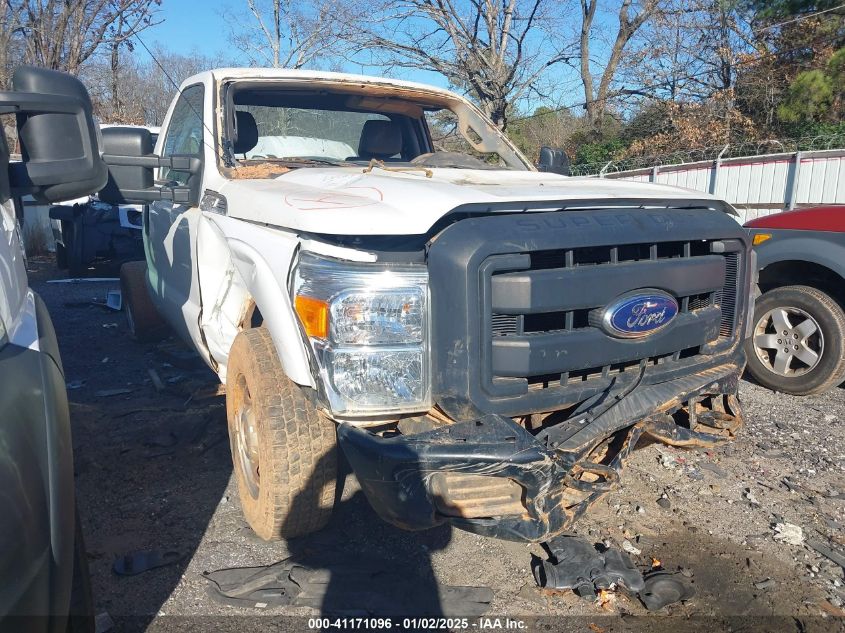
x=371, y=264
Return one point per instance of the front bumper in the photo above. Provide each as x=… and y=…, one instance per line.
x=492, y=477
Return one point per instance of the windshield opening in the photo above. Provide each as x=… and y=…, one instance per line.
x=285, y=129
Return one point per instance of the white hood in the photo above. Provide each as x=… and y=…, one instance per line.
x=347, y=201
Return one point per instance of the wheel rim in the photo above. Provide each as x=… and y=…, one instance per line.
x=246, y=438
x=788, y=341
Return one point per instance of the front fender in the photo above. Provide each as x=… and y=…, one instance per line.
x=259, y=265
x=826, y=250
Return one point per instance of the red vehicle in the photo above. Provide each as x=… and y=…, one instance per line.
x=799, y=319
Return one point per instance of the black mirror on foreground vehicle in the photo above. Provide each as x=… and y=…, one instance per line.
x=128, y=152
x=553, y=160
x=60, y=158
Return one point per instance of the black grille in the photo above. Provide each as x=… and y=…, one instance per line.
x=569, y=322
x=726, y=298
x=513, y=296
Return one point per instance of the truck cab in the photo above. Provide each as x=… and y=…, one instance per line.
x=371, y=266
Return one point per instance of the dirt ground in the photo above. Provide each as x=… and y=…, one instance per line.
x=153, y=471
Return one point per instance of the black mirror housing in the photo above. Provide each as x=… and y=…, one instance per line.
x=128, y=152
x=123, y=179
x=60, y=157
x=554, y=161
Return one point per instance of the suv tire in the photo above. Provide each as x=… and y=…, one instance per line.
x=284, y=451
x=143, y=320
x=806, y=354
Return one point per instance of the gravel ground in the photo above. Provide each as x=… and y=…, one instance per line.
x=153, y=470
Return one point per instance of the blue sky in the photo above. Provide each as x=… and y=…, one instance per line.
x=199, y=26
x=191, y=25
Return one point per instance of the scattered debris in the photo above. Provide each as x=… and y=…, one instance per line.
x=344, y=585
x=768, y=583
x=629, y=547
x=828, y=552
x=576, y=564
x=144, y=560
x=695, y=474
x=828, y=608
x=157, y=383
x=108, y=393
x=75, y=384
x=109, y=325
x=604, y=599
x=788, y=533
x=103, y=622
x=663, y=588
x=713, y=468
x=750, y=497
x=114, y=300
x=668, y=461
x=664, y=502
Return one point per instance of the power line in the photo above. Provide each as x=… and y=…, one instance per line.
x=179, y=96
x=798, y=19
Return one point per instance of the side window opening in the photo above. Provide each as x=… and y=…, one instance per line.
x=184, y=133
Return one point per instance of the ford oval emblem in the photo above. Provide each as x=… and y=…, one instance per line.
x=639, y=313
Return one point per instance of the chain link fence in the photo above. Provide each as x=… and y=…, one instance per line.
x=748, y=148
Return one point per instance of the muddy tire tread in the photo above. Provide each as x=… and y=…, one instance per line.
x=298, y=445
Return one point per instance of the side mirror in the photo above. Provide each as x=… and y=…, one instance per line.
x=128, y=152
x=553, y=160
x=60, y=158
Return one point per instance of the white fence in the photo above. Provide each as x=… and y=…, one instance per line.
x=757, y=185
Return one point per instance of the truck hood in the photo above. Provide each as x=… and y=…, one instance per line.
x=350, y=201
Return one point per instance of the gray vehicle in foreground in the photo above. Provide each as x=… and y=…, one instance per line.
x=44, y=584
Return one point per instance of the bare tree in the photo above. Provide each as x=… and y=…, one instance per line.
x=11, y=47
x=495, y=50
x=64, y=34
x=287, y=33
x=630, y=17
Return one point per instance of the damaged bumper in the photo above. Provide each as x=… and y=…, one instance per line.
x=493, y=477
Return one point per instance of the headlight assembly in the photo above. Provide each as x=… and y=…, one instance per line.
x=368, y=327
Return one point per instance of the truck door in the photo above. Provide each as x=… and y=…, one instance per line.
x=170, y=229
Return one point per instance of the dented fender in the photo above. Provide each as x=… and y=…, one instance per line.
x=246, y=262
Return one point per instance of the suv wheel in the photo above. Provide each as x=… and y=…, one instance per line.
x=284, y=451
x=143, y=320
x=797, y=343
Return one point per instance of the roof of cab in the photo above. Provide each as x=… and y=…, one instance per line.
x=289, y=74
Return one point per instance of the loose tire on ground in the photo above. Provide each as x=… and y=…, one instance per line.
x=143, y=320
x=283, y=450
x=823, y=315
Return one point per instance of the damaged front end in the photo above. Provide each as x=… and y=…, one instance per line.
x=538, y=394
x=491, y=476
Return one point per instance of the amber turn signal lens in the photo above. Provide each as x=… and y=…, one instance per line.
x=314, y=315
x=761, y=237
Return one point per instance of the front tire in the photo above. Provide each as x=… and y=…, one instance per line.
x=797, y=343
x=284, y=451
